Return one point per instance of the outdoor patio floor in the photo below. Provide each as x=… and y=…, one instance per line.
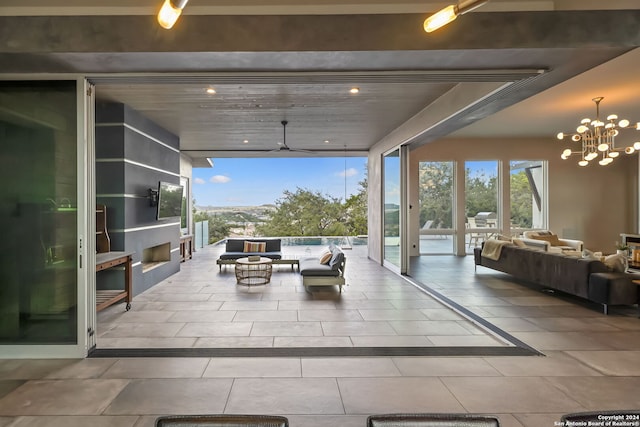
x=203, y=307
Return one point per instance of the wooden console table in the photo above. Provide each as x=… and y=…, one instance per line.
x=104, y=261
x=186, y=247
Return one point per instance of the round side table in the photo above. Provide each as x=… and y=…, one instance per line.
x=253, y=272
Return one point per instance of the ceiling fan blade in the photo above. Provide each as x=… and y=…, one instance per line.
x=284, y=146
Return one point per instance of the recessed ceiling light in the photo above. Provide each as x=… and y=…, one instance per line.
x=354, y=90
x=246, y=141
x=211, y=91
x=326, y=141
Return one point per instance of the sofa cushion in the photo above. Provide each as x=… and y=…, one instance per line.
x=234, y=245
x=312, y=267
x=551, y=238
x=254, y=246
x=337, y=256
x=518, y=242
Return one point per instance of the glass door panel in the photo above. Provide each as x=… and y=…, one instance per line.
x=436, y=191
x=481, y=201
x=392, y=208
x=38, y=213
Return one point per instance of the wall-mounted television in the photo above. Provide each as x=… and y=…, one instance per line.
x=169, y=200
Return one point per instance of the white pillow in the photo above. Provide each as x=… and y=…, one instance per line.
x=518, y=242
x=616, y=262
x=587, y=254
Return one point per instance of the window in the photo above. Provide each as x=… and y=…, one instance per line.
x=481, y=201
x=527, y=198
x=435, y=196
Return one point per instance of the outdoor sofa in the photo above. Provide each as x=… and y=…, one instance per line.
x=326, y=270
x=240, y=248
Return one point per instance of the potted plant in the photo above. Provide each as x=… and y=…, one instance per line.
x=622, y=248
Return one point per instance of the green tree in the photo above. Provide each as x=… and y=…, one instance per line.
x=521, y=200
x=481, y=193
x=218, y=227
x=356, y=211
x=305, y=213
x=436, y=193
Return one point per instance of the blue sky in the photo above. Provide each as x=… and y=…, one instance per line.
x=250, y=182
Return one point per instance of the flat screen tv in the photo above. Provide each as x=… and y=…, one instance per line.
x=169, y=200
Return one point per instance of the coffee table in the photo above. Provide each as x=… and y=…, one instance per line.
x=253, y=272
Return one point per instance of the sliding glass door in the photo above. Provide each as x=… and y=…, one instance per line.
x=392, y=211
x=40, y=207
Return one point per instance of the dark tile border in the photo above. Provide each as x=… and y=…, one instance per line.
x=474, y=318
x=311, y=352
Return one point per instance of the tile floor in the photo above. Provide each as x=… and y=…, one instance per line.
x=202, y=307
x=590, y=360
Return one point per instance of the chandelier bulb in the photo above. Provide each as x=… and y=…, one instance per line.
x=597, y=136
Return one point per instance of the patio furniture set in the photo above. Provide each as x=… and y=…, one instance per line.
x=253, y=260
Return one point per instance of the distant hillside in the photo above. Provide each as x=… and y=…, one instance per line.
x=212, y=209
x=239, y=214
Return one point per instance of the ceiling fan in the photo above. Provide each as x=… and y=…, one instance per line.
x=284, y=146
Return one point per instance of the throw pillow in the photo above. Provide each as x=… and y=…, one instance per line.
x=616, y=262
x=518, y=242
x=552, y=239
x=325, y=257
x=255, y=246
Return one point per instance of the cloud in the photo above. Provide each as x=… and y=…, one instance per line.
x=347, y=173
x=199, y=181
x=220, y=179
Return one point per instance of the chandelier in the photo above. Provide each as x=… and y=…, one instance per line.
x=598, y=138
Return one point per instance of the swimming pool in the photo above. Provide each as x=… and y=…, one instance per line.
x=343, y=241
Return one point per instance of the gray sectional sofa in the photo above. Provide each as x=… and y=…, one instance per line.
x=590, y=279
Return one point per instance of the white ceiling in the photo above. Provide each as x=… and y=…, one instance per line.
x=561, y=107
